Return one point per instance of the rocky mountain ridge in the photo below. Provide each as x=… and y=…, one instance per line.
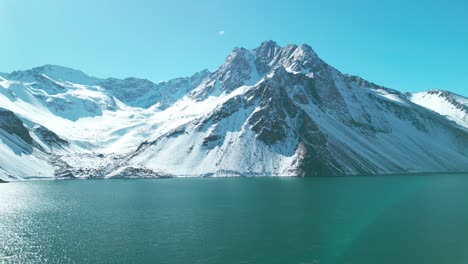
x=268, y=111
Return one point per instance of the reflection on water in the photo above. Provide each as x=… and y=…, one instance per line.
x=401, y=219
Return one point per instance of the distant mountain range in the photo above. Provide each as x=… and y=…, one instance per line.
x=268, y=111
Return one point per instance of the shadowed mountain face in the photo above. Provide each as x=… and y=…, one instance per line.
x=268, y=111
x=11, y=124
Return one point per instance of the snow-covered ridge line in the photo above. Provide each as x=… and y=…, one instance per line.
x=268, y=111
x=453, y=106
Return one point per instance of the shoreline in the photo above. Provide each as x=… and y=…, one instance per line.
x=416, y=174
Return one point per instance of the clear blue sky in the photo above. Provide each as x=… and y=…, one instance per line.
x=407, y=45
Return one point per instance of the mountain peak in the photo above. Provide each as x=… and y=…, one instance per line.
x=307, y=49
x=294, y=58
x=273, y=110
x=55, y=72
x=267, y=51
x=271, y=45
x=52, y=67
x=268, y=45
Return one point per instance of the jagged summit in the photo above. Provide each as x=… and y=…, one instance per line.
x=273, y=110
x=267, y=50
x=247, y=67
x=292, y=57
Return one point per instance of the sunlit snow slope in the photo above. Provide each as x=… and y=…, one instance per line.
x=453, y=106
x=268, y=111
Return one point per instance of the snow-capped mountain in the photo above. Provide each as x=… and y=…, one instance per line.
x=453, y=106
x=268, y=111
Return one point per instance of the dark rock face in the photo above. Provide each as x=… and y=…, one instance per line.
x=265, y=54
x=227, y=109
x=362, y=83
x=313, y=163
x=270, y=122
x=11, y=124
x=65, y=173
x=137, y=172
x=211, y=138
x=294, y=57
x=50, y=138
x=236, y=70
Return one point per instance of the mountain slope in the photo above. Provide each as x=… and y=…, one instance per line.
x=294, y=123
x=454, y=106
x=25, y=154
x=268, y=111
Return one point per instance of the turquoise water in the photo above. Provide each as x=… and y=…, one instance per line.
x=384, y=219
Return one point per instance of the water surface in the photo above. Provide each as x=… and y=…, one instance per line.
x=379, y=219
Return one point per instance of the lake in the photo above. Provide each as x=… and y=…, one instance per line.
x=377, y=219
